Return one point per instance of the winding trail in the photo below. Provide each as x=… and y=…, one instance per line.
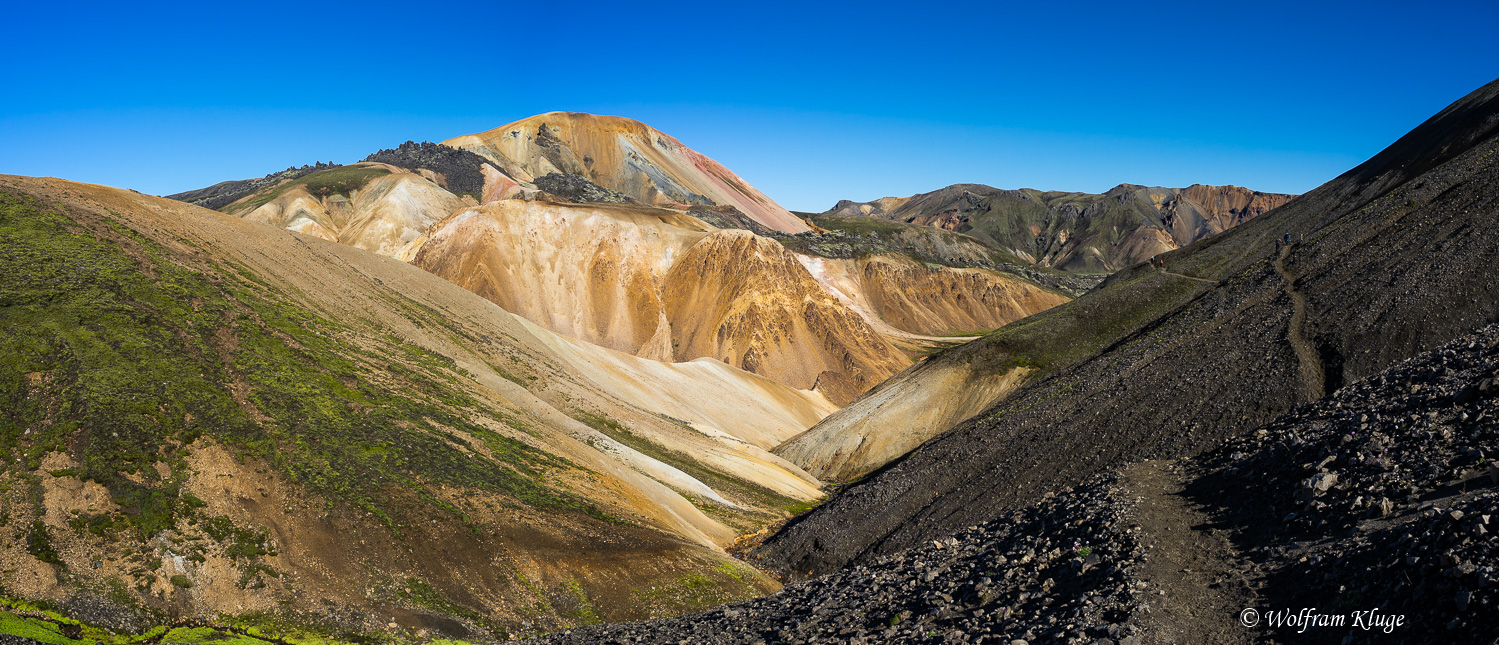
x=1310, y=362
x=1193, y=582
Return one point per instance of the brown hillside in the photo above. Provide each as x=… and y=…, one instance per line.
x=251, y=420
x=656, y=284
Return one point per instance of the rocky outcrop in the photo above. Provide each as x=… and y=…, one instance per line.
x=224, y=193
x=579, y=190
x=458, y=171
x=625, y=156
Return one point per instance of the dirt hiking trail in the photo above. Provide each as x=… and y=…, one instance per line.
x=1312, y=378
x=1193, y=583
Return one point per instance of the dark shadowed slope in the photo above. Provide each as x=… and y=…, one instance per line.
x=1393, y=258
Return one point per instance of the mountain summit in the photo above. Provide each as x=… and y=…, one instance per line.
x=626, y=156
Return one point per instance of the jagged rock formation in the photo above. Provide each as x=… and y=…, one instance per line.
x=458, y=171
x=1076, y=231
x=579, y=190
x=625, y=156
x=248, y=420
x=662, y=285
x=1171, y=363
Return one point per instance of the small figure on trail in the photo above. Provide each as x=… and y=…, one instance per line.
x=1288, y=237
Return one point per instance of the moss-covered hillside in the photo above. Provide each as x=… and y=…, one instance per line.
x=184, y=438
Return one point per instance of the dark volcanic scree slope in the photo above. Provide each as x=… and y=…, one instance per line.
x=1391, y=259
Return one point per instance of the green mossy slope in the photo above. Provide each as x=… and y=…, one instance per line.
x=115, y=354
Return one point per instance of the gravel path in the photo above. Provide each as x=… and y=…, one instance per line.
x=1312, y=376
x=1191, y=576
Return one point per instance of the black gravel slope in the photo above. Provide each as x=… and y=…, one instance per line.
x=1382, y=496
x=1051, y=573
x=1388, y=265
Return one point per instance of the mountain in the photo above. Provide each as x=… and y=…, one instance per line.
x=1236, y=330
x=625, y=156
x=549, y=247
x=1078, y=232
x=206, y=416
x=848, y=237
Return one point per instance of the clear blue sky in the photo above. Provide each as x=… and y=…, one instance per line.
x=809, y=103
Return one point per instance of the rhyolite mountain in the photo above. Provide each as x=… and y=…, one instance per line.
x=1390, y=259
x=517, y=219
x=1080, y=232
x=625, y=156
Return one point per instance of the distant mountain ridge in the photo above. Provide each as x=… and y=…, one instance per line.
x=1081, y=232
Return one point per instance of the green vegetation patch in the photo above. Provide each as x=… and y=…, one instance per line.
x=1064, y=335
x=343, y=180
x=39, y=630
x=122, y=358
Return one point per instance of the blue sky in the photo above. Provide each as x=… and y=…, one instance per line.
x=811, y=103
